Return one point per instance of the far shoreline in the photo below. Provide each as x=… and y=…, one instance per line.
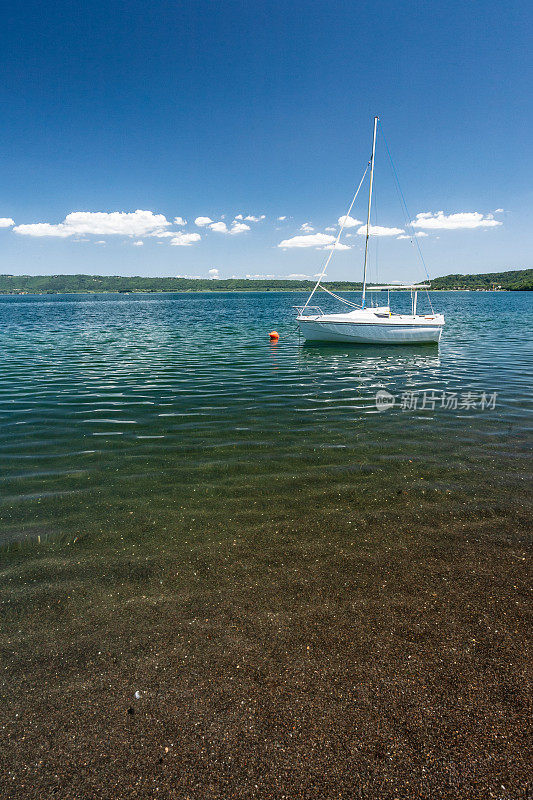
x=87, y=284
x=228, y=291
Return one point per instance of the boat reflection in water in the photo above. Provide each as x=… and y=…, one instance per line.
x=344, y=374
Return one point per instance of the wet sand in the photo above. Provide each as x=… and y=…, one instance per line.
x=375, y=649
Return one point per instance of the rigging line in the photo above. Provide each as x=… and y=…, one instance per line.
x=406, y=213
x=342, y=299
x=328, y=259
x=404, y=204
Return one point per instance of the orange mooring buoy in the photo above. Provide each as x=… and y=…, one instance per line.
x=274, y=336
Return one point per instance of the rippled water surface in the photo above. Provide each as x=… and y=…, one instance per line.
x=117, y=411
x=226, y=573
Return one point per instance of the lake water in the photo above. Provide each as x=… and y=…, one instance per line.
x=108, y=402
x=226, y=573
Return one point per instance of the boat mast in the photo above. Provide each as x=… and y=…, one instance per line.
x=369, y=206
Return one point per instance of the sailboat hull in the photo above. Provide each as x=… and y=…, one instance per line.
x=369, y=333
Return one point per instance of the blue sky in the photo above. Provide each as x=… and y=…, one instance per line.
x=223, y=110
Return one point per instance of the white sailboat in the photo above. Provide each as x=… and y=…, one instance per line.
x=363, y=324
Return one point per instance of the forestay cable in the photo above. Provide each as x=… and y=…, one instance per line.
x=335, y=245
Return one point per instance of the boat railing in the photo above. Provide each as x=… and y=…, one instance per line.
x=318, y=311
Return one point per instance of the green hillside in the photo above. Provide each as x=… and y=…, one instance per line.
x=515, y=280
x=53, y=284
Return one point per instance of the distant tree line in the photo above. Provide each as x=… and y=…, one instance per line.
x=54, y=284
x=515, y=280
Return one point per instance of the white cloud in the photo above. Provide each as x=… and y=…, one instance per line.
x=180, y=221
x=296, y=276
x=6, y=222
x=101, y=241
x=185, y=240
x=306, y=227
x=251, y=218
x=213, y=273
x=349, y=222
x=44, y=229
x=312, y=240
x=338, y=246
x=219, y=227
x=134, y=223
x=379, y=230
x=236, y=227
x=465, y=219
x=138, y=244
x=331, y=229
x=259, y=277
x=282, y=219
x=201, y=222
x=162, y=234
x=239, y=227
x=418, y=234
x=499, y=211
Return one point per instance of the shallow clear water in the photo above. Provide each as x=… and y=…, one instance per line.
x=177, y=404
x=225, y=573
